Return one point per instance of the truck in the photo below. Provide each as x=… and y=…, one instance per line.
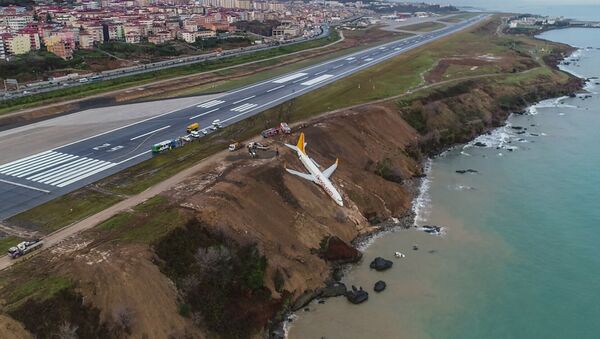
x=162, y=146
x=235, y=146
x=24, y=247
x=193, y=127
x=283, y=128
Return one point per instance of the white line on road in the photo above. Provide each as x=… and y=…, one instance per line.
x=55, y=177
x=145, y=134
x=205, y=113
x=336, y=67
x=290, y=77
x=210, y=104
x=276, y=88
x=301, y=79
x=241, y=100
x=244, y=107
x=83, y=176
x=319, y=73
x=14, y=165
x=23, y=160
x=133, y=157
x=62, y=168
x=24, y=186
x=317, y=80
x=38, y=168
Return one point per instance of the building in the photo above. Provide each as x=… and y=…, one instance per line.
x=34, y=38
x=15, y=23
x=61, y=49
x=2, y=51
x=86, y=40
x=132, y=38
x=16, y=44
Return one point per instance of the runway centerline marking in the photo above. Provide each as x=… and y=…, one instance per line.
x=241, y=100
x=203, y=114
x=151, y=132
x=276, y=88
x=289, y=77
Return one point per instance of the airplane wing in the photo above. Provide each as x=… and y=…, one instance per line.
x=316, y=163
x=328, y=172
x=301, y=175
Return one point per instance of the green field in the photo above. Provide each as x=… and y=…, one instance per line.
x=459, y=17
x=423, y=27
x=65, y=210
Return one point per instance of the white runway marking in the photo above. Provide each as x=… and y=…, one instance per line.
x=244, y=107
x=336, y=67
x=368, y=59
x=350, y=58
x=151, y=132
x=24, y=186
x=241, y=100
x=289, y=77
x=210, y=104
x=317, y=80
x=319, y=73
x=301, y=79
x=205, y=113
x=53, y=168
x=276, y=88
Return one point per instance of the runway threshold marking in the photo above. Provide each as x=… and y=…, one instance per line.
x=210, y=104
x=244, y=107
x=148, y=133
x=24, y=186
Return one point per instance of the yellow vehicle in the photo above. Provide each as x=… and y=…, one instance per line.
x=193, y=127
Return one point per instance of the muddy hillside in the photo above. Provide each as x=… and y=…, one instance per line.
x=228, y=251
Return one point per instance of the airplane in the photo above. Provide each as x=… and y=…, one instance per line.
x=315, y=175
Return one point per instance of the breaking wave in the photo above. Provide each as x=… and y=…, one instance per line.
x=421, y=204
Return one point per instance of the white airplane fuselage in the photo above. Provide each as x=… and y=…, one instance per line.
x=320, y=179
x=314, y=174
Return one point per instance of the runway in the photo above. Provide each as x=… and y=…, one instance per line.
x=38, y=178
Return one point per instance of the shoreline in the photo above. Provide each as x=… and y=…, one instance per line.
x=419, y=189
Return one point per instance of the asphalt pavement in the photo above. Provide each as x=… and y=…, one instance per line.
x=38, y=178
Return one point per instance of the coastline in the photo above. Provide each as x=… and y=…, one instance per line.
x=420, y=199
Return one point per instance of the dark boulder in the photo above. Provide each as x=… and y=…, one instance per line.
x=357, y=296
x=380, y=264
x=333, y=290
x=379, y=286
x=480, y=144
x=432, y=229
x=336, y=250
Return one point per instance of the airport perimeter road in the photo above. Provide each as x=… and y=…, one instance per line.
x=38, y=178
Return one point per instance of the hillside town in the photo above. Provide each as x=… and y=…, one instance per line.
x=63, y=29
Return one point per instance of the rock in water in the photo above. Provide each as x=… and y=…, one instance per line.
x=480, y=144
x=380, y=264
x=379, y=286
x=357, y=296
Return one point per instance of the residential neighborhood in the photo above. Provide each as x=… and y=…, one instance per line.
x=62, y=29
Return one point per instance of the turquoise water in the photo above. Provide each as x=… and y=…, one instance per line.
x=520, y=257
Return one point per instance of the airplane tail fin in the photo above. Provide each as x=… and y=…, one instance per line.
x=300, y=145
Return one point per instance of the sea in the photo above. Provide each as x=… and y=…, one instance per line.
x=519, y=252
